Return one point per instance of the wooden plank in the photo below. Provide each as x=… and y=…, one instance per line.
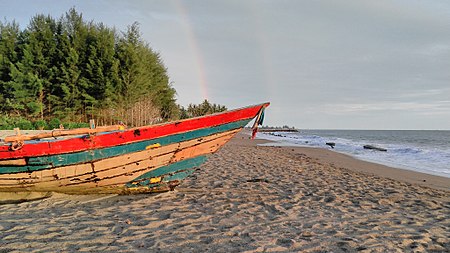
x=62, y=132
x=20, y=162
x=204, y=148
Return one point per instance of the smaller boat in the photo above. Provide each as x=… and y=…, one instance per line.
x=117, y=160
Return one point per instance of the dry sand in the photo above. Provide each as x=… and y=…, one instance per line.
x=246, y=199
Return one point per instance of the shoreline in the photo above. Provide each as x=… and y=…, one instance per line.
x=346, y=161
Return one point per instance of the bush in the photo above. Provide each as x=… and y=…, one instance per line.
x=40, y=124
x=54, y=123
x=9, y=123
x=5, y=123
x=72, y=125
x=24, y=124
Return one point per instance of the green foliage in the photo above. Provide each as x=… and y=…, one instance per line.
x=9, y=123
x=40, y=124
x=72, y=125
x=54, y=123
x=24, y=124
x=204, y=108
x=5, y=123
x=75, y=70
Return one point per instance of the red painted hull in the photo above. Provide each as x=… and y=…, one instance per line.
x=34, y=149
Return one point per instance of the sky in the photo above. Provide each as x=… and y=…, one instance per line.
x=352, y=64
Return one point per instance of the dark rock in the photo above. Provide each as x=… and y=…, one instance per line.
x=254, y=180
x=374, y=148
x=331, y=144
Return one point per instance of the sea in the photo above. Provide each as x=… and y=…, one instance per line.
x=426, y=151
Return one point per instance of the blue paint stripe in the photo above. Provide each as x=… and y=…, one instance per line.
x=179, y=176
x=46, y=162
x=168, y=171
x=17, y=169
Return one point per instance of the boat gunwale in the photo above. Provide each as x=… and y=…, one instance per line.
x=128, y=131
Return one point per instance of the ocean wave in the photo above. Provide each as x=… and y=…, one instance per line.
x=402, y=152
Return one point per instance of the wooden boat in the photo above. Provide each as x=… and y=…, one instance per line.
x=115, y=160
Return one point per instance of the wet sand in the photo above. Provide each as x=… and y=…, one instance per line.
x=246, y=198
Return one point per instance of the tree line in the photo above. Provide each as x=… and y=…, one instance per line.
x=201, y=109
x=74, y=70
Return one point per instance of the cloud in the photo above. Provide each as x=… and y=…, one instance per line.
x=426, y=93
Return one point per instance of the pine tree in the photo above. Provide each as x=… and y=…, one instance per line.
x=38, y=48
x=74, y=70
x=9, y=37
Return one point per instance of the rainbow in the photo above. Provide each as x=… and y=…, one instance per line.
x=194, y=45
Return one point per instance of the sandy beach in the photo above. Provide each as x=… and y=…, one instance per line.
x=248, y=198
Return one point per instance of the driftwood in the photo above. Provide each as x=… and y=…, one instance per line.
x=62, y=132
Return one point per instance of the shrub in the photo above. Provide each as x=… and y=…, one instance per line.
x=54, y=123
x=40, y=124
x=24, y=124
x=5, y=123
x=72, y=125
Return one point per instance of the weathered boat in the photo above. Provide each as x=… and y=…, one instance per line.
x=115, y=160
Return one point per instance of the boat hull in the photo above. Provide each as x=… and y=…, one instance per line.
x=147, y=159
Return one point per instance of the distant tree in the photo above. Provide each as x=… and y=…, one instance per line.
x=202, y=109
